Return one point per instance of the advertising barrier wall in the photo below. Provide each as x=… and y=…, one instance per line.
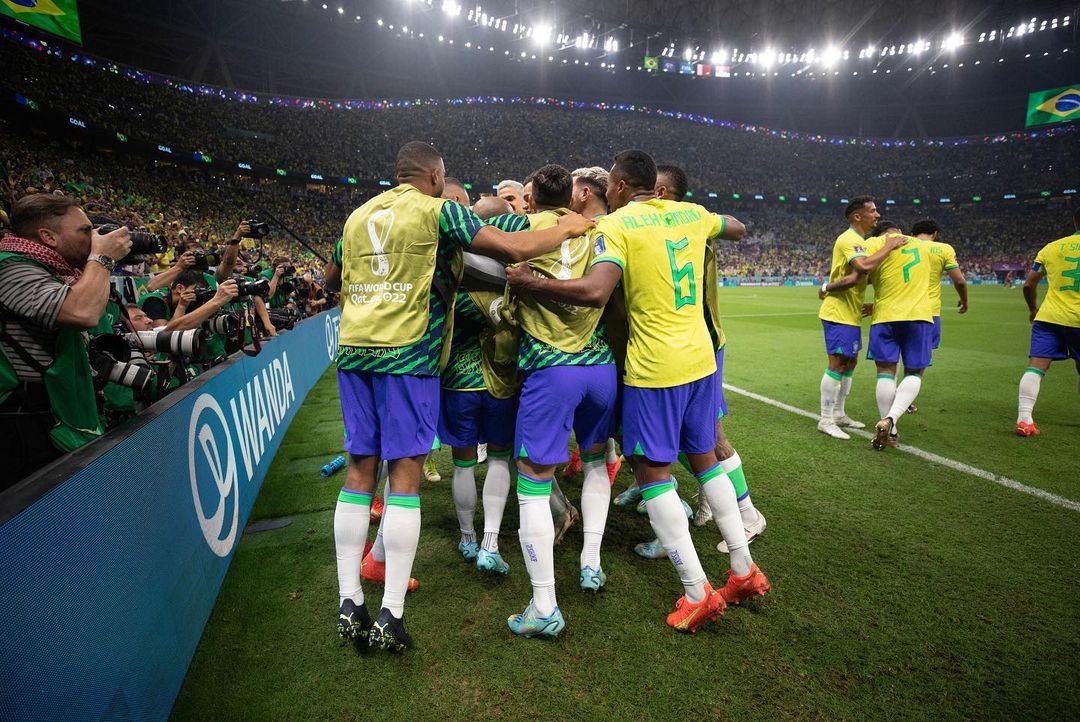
x=109, y=578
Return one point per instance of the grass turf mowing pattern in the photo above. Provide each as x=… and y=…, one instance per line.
x=901, y=589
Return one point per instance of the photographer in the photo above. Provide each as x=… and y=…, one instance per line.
x=169, y=308
x=54, y=284
x=280, y=278
x=194, y=255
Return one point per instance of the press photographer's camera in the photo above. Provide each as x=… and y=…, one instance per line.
x=206, y=259
x=178, y=343
x=259, y=229
x=113, y=359
x=142, y=243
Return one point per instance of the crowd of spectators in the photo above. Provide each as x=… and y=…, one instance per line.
x=487, y=143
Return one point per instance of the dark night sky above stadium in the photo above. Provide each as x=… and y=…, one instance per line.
x=296, y=47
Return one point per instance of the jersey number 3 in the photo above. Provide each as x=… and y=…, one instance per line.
x=913, y=262
x=681, y=273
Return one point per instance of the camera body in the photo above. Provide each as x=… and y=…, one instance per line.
x=206, y=259
x=259, y=229
x=142, y=243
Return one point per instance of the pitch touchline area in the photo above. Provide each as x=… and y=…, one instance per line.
x=928, y=456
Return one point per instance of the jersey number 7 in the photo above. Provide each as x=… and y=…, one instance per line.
x=913, y=262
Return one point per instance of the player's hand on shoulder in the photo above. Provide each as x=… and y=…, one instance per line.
x=867, y=309
x=895, y=240
x=575, y=224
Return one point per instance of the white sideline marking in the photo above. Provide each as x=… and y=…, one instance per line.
x=926, y=455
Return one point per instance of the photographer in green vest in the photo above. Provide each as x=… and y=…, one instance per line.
x=54, y=284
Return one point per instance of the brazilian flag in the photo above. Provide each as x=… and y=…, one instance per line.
x=1058, y=105
x=59, y=17
x=651, y=63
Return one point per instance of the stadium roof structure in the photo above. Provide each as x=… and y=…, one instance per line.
x=914, y=69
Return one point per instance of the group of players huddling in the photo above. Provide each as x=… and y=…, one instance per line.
x=605, y=325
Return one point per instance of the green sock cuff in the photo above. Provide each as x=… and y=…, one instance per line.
x=651, y=491
x=887, y=376
x=464, y=463
x=528, y=486
x=709, y=474
x=504, y=454
x=354, y=497
x=1033, y=370
x=407, y=501
x=849, y=373
x=590, y=458
x=833, y=375
x=738, y=480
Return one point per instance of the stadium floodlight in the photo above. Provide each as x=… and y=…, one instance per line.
x=687, y=54
x=542, y=36
x=832, y=56
x=768, y=57
x=340, y=10
x=379, y=22
x=952, y=42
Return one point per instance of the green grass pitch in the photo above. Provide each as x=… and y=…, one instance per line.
x=901, y=588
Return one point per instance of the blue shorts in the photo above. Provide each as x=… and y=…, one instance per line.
x=555, y=400
x=721, y=402
x=1054, y=341
x=937, y=333
x=388, y=415
x=842, y=339
x=909, y=340
x=659, y=423
x=468, y=418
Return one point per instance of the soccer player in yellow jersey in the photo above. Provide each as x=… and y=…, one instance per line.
x=656, y=248
x=1055, y=325
x=841, y=314
x=901, y=326
x=943, y=261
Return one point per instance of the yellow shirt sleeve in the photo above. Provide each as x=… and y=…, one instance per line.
x=609, y=246
x=717, y=225
x=950, y=258
x=1040, y=260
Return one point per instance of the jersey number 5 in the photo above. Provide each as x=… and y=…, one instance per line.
x=681, y=273
x=913, y=262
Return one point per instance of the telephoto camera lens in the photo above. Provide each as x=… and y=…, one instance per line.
x=134, y=375
x=224, y=323
x=181, y=343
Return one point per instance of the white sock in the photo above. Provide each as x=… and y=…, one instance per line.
x=612, y=454
x=732, y=466
x=402, y=535
x=378, y=549
x=560, y=505
x=595, y=500
x=1029, y=393
x=537, y=535
x=351, y=518
x=463, y=489
x=906, y=392
x=718, y=489
x=830, y=392
x=885, y=391
x=841, y=398
x=673, y=530
x=496, y=489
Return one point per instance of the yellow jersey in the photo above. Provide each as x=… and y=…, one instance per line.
x=900, y=282
x=942, y=258
x=845, y=306
x=660, y=247
x=1060, y=261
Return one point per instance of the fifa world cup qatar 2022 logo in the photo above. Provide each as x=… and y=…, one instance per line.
x=215, y=484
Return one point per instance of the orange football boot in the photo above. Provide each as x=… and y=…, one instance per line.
x=372, y=570
x=753, y=584
x=688, y=616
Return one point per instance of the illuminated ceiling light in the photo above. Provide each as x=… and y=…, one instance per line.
x=340, y=10
x=832, y=56
x=379, y=22
x=687, y=54
x=542, y=36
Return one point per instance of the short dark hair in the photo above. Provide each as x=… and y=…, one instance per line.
x=40, y=210
x=529, y=179
x=416, y=158
x=637, y=168
x=133, y=307
x=856, y=205
x=883, y=225
x=189, y=277
x=451, y=181
x=553, y=186
x=925, y=225
x=679, y=184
